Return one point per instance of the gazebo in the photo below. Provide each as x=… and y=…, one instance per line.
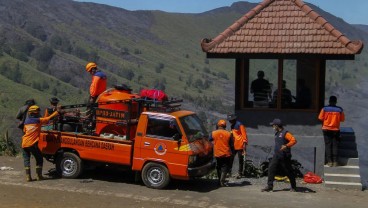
x=290, y=43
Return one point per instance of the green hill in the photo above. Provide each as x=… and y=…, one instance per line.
x=45, y=45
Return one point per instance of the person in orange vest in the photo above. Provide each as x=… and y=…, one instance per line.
x=32, y=130
x=222, y=141
x=331, y=116
x=284, y=140
x=99, y=81
x=240, y=142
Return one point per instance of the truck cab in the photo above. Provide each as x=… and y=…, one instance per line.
x=176, y=140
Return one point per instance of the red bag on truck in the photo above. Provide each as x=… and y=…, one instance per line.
x=310, y=177
x=153, y=94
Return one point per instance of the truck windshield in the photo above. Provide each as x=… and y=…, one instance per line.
x=193, y=127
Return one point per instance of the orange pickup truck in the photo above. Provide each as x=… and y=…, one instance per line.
x=157, y=140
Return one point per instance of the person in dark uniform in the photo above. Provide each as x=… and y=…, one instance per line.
x=22, y=112
x=53, y=104
x=284, y=140
x=50, y=110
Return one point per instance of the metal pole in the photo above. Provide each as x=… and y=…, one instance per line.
x=314, y=159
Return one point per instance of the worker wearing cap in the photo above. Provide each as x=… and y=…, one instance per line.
x=98, y=84
x=32, y=130
x=240, y=142
x=222, y=141
x=53, y=104
x=54, y=101
x=284, y=140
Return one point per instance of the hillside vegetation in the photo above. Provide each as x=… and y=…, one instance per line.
x=45, y=45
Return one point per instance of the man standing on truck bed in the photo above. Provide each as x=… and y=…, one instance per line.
x=32, y=130
x=222, y=141
x=98, y=84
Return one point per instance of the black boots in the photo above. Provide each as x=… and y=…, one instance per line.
x=222, y=179
x=28, y=174
x=39, y=176
x=267, y=189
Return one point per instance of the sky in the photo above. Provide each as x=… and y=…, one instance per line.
x=352, y=11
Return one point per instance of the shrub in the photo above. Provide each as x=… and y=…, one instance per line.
x=7, y=147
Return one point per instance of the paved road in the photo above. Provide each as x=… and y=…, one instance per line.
x=116, y=188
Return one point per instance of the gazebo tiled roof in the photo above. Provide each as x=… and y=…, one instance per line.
x=282, y=27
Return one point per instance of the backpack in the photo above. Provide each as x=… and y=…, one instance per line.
x=310, y=177
x=153, y=94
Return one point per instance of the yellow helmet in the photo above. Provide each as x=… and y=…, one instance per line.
x=33, y=109
x=221, y=123
x=90, y=66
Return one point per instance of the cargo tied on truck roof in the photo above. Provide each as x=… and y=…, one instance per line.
x=154, y=138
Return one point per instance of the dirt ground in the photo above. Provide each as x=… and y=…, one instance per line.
x=111, y=187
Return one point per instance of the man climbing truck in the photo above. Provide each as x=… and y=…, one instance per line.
x=155, y=139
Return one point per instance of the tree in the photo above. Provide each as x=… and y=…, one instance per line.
x=222, y=75
x=36, y=31
x=80, y=53
x=24, y=46
x=128, y=74
x=54, y=91
x=198, y=84
x=60, y=43
x=43, y=54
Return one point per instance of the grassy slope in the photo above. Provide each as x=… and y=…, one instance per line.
x=180, y=52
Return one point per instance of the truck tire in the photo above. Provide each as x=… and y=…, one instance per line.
x=155, y=175
x=69, y=165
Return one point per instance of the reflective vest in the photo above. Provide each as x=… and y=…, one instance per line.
x=32, y=129
x=239, y=135
x=98, y=84
x=331, y=116
x=221, y=140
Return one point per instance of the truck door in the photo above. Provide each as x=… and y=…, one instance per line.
x=162, y=143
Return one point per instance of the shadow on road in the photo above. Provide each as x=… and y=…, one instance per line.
x=122, y=175
x=298, y=189
x=202, y=185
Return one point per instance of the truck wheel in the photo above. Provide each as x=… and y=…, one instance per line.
x=69, y=165
x=155, y=176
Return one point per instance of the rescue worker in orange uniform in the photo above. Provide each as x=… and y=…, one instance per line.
x=222, y=141
x=284, y=140
x=98, y=84
x=32, y=130
x=240, y=142
x=331, y=116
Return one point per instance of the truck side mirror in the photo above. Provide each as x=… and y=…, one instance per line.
x=177, y=137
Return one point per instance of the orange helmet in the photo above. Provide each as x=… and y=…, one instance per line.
x=221, y=123
x=90, y=66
